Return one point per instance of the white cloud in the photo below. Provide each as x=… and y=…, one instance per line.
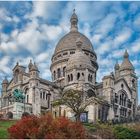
x=29, y=38
x=3, y=14
x=105, y=25
x=96, y=38
x=42, y=57
x=136, y=62
x=8, y=47
x=51, y=33
x=1, y=26
x=46, y=74
x=116, y=54
x=4, y=68
x=104, y=47
x=135, y=46
x=122, y=37
x=4, y=37
x=44, y=9
x=137, y=22
x=39, y=8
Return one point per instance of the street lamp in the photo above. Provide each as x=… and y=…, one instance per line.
x=49, y=94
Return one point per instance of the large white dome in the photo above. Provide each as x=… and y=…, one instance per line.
x=68, y=42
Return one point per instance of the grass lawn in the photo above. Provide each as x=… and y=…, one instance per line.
x=4, y=124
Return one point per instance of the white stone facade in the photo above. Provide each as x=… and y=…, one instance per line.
x=74, y=66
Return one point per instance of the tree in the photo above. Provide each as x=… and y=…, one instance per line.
x=74, y=99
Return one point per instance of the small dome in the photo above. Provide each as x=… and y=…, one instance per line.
x=117, y=66
x=79, y=59
x=5, y=81
x=126, y=55
x=30, y=65
x=34, y=68
x=74, y=16
x=126, y=64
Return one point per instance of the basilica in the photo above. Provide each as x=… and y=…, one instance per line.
x=74, y=66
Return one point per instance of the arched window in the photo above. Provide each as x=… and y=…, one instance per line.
x=40, y=95
x=91, y=93
x=46, y=96
x=133, y=83
x=43, y=95
x=64, y=71
x=58, y=73
x=71, y=77
x=68, y=78
x=129, y=103
x=123, y=98
x=54, y=75
x=122, y=85
x=116, y=98
x=78, y=76
x=89, y=77
x=16, y=76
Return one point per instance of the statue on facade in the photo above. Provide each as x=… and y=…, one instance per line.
x=18, y=95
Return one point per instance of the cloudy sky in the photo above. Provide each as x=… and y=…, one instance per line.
x=31, y=30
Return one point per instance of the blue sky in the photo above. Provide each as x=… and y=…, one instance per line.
x=31, y=30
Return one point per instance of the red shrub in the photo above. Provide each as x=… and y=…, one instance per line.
x=46, y=127
x=25, y=128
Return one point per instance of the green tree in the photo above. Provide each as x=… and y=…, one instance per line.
x=74, y=99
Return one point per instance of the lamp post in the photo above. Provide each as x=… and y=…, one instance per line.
x=49, y=94
x=24, y=103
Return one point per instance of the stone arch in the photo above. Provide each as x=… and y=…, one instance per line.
x=58, y=73
x=91, y=93
x=123, y=97
x=78, y=76
x=64, y=69
x=9, y=115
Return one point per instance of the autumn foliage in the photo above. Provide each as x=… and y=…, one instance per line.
x=46, y=127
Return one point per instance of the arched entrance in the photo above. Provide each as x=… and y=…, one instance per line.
x=9, y=115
